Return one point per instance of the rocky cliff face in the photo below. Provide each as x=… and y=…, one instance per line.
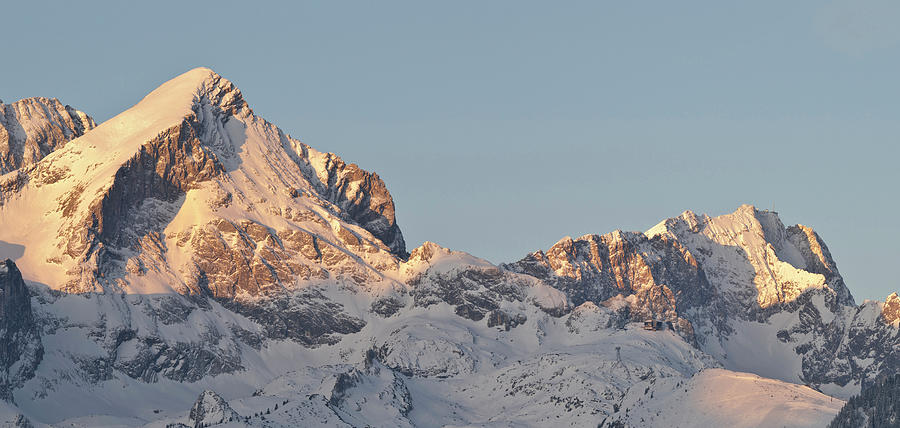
x=660, y=276
x=34, y=127
x=360, y=194
x=21, y=349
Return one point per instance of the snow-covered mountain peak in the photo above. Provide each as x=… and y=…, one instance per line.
x=726, y=282
x=192, y=87
x=751, y=246
x=32, y=128
x=138, y=203
x=168, y=105
x=204, y=86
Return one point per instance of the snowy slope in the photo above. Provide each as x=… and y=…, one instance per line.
x=720, y=398
x=569, y=377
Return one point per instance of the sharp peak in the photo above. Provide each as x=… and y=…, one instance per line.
x=198, y=83
x=178, y=97
x=197, y=76
x=163, y=108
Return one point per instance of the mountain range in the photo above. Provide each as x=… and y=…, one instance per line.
x=187, y=262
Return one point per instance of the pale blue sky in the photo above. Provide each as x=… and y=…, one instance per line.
x=501, y=127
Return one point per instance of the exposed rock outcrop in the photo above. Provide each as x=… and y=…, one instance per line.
x=361, y=195
x=21, y=349
x=662, y=275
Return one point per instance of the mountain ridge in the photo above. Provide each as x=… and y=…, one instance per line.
x=189, y=244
